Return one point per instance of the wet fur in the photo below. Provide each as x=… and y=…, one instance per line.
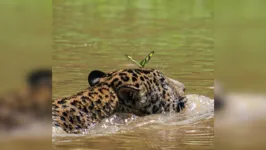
x=138, y=91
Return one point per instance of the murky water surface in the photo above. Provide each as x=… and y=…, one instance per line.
x=92, y=35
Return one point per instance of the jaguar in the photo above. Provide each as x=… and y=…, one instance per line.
x=21, y=107
x=137, y=91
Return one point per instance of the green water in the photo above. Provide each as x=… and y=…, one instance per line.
x=90, y=35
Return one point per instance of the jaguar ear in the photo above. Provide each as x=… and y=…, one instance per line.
x=128, y=93
x=94, y=77
x=40, y=77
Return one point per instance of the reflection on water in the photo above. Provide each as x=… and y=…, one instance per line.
x=163, y=137
x=92, y=35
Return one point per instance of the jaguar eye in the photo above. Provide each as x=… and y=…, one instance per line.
x=143, y=100
x=142, y=93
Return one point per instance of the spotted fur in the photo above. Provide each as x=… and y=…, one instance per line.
x=20, y=108
x=138, y=91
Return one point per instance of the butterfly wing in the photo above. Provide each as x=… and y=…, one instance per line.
x=130, y=58
x=146, y=59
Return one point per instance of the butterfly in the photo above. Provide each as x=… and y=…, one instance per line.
x=144, y=61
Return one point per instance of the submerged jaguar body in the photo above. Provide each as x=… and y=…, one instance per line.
x=138, y=91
